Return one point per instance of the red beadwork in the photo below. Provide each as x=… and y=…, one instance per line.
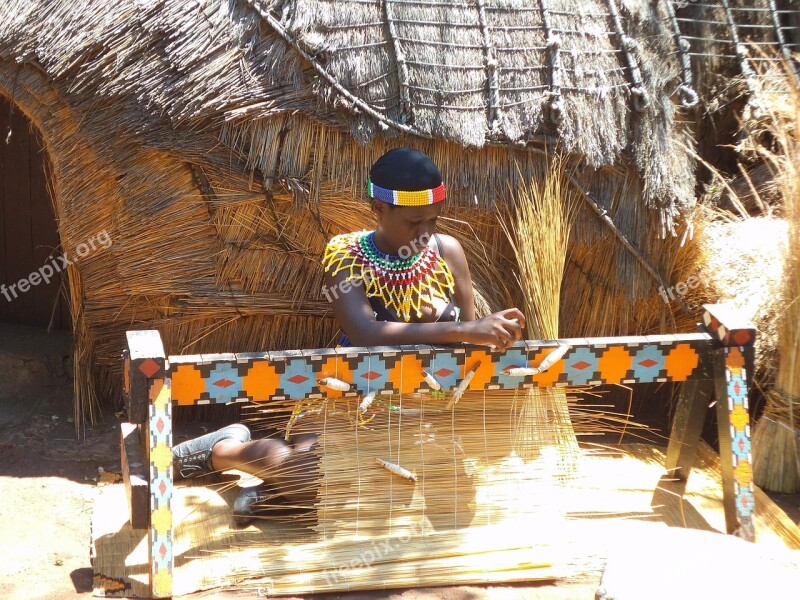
x=411, y=274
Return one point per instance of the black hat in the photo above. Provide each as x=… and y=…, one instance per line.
x=404, y=170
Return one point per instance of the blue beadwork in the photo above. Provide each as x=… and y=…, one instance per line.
x=381, y=255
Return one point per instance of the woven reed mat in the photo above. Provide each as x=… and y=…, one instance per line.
x=566, y=538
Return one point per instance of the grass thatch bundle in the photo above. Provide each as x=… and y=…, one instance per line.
x=538, y=228
x=774, y=135
x=740, y=262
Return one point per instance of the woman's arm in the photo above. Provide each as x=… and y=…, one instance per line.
x=457, y=261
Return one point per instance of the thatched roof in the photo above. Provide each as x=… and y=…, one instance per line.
x=596, y=76
x=599, y=77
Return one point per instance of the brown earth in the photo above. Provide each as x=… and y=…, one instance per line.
x=48, y=479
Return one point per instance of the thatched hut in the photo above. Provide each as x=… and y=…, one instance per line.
x=220, y=144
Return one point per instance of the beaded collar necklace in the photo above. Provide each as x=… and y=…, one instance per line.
x=403, y=284
x=390, y=262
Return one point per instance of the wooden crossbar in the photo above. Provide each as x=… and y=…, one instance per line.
x=713, y=365
x=296, y=375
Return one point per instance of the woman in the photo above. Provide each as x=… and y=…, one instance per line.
x=400, y=284
x=403, y=283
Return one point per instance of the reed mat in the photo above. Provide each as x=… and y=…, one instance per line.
x=565, y=537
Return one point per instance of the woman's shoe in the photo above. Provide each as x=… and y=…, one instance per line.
x=249, y=503
x=192, y=458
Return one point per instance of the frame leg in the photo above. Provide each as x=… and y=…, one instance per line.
x=687, y=424
x=732, y=366
x=687, y=427
x=160, y=535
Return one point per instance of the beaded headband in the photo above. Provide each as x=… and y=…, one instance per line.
x=400, y=198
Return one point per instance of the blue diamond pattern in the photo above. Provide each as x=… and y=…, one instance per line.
x=580, y=376
x=645, y=374
x=220, y=394
x=445, y=361
x=298, y=367
x=365, y=365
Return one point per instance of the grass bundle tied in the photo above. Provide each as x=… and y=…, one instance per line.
x=538, y=229
x=775, y=137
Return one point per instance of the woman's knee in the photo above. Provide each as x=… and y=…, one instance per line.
x=304, y=441
x=270, y=453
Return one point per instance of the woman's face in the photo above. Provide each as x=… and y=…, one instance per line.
x=409, y=227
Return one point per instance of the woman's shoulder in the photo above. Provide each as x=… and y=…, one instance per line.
x=448, y=239
x=451, y=247
x=341, y=249
x=345, y=238
x=343, y=241
x=453, y=254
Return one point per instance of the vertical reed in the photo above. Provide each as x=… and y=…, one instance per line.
x=538, y=229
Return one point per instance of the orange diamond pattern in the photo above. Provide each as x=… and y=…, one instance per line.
x=681, y=362
x=614, y=364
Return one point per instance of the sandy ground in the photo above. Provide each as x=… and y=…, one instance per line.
x=48, y=479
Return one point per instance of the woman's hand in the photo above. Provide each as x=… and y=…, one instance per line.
x=500, y=329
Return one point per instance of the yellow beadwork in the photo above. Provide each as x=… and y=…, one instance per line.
x=404, y=299
x=413, y=198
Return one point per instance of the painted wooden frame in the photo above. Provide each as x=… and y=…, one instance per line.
x=717, y=362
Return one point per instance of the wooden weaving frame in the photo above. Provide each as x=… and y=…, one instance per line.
x=715, y=364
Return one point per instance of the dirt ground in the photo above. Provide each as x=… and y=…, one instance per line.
x=48, y=479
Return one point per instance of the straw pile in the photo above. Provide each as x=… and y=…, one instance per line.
x=774, y=136
x=740, y=263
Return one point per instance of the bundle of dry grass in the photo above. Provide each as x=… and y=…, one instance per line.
x=775, y=136
x=740, y=262
x=538, y=228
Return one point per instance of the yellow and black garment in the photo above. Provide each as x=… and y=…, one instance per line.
x=394, y=285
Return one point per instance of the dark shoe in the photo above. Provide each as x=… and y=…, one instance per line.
x=250, y=503
x=192, y=458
